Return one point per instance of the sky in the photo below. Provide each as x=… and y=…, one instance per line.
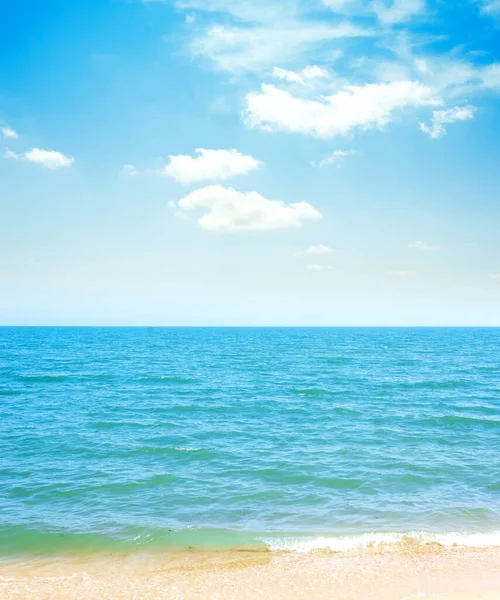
x=237, y=162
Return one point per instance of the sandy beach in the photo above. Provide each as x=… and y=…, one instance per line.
x=445, y=574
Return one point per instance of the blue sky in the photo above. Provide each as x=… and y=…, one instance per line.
x=216, y=162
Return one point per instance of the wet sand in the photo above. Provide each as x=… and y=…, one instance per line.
x=458, y=574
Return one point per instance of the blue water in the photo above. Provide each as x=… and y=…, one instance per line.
x=124, y=438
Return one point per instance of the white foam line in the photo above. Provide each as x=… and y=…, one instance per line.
x=379, y=541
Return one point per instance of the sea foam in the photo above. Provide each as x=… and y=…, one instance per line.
x=381, y=542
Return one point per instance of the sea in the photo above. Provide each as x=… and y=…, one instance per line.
x=279, y=439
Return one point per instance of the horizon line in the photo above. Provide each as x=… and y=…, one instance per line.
x=5, y=326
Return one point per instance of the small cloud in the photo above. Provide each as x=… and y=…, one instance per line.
x=440, y=118
x=318, y=250
x=220, y=105
x=214, y=165
x=315, y=72
x=495, y=276
x=471, y=244
x=422, y=66
x=51, y=159
x=307, y=74
x=491, y=7
x=422, y=246
x=357, y=63
x=401, y=274
x=129, y=170
x=285, y=75
x=11, y=154
x=175, y=210
x=190, y=19
x=226, y=209
x=318, y=267
x=8, y=132
x=335, y=158
x=399, y=10
x=338, y=5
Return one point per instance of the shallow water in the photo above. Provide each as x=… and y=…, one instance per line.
x=134, y=438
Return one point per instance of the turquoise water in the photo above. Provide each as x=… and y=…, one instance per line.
x=137, y=438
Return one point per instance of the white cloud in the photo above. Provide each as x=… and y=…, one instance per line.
x=388, y=12
x=129, y=170
x=495, y=276
x=8, y=132
x=315, y=72
x=398, y=11
x=226, y=209
x=440, y=118
x=450, y=75
x=10, y=154
x=422, y=66
x=260, y=33
x=490, y=7
x=175, y=210
x=285, y=75
x=214, y=165
x=336, y=157
x=308, y=73
x=318, y=250
x=364, y=107
x=243, y=10
x=338, y=5
x=316, y=267
x=256, y=47
x=422, y=246
x=51, y=159
x=490, y=76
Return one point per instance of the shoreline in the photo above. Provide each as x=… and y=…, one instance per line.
x=449, y=574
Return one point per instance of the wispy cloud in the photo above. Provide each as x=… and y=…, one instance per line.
x=490, y=7
x=422, y=246
x=211, y=165
x=129, y=170
x=339, y=5
x=440, y=118
x=303, y=76
x=242, y=10
x=336, y=157
x=8, y=132
x=226, y=209
x=317, y=250
x=254, y=48
x=398, y=11
x=51, y=159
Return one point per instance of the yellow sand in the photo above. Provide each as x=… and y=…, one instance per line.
x=448, y=575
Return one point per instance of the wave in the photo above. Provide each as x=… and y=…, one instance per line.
x=43, y=378
x=382, y=542
x=453, y=420
x=187, y=451
x=166, y=379
x=4, y=392
x=18, y=540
